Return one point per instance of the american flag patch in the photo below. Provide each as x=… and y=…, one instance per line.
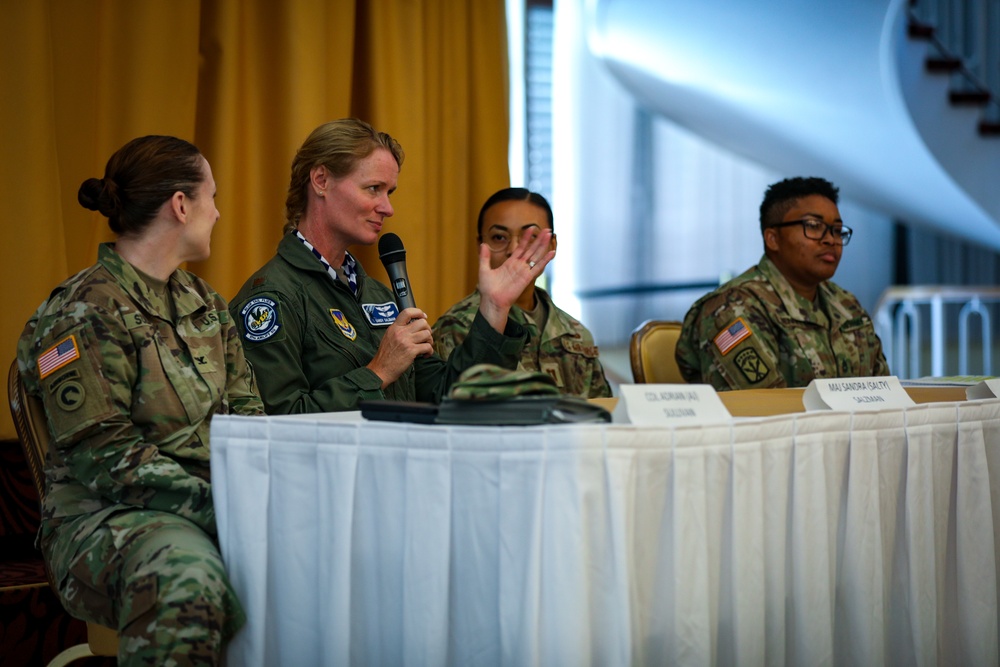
x=730, y=337
x=58, y=356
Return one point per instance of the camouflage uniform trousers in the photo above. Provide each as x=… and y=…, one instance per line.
x=156, y=577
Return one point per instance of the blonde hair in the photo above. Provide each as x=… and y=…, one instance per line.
x=339, y=145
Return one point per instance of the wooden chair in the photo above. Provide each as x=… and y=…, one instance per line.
x=33, y=432
x=651, y=351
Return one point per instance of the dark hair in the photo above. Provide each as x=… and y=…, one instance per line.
x=339, y=145
x=139, y=177
x=781, y=196
x=515, y=194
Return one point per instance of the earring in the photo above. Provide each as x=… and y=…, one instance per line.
x=321, y=193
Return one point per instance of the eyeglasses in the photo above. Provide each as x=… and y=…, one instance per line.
x=499, y=240
x=816, y=230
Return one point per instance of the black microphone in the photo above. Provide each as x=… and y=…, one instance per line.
x=393, y=256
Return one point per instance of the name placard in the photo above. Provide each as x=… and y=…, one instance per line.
x=669, y=405
x=985, y=389
x=852, y=394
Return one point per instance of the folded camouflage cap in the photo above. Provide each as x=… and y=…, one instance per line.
x=490, y=382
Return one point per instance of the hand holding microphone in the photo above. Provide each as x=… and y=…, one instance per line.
x=409, y=336
x=393, y=256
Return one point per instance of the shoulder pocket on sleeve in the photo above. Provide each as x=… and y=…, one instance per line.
x=577, y=346
x=74, y=390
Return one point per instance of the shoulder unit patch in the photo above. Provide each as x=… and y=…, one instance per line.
x=731, y=336
x=260, y=319
x=57, y=356
x=752, y=366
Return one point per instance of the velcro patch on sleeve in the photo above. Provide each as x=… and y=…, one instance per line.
x=732, y=335
x=752, y=366
x=76, y=393
x=260, y=319
x=64, y=352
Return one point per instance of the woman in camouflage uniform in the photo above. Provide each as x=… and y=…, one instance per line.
x=784, y=322
x=131, y=358
x=558, y=344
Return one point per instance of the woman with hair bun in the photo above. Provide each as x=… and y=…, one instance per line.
x=131, y=358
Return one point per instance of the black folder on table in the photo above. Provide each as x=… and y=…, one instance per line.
x=515, y=411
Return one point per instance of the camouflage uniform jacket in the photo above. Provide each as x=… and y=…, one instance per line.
x=310, y=338
x=756, y=331
x=565, y=349
x=129, y=392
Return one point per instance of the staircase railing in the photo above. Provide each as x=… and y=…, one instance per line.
x=904, y=316
x=969, y=32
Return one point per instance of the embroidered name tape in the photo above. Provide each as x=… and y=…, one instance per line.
x=380, y=314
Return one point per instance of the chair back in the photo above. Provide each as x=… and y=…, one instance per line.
x=651, y=351
x=29, y=422
x=33, y=432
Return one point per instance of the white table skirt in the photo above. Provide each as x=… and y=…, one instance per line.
x=810, y=539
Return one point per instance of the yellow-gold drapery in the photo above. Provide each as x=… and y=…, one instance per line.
x=246, y=80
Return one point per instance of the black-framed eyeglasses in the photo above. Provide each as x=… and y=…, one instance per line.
x=817, y=229
x=499, y=240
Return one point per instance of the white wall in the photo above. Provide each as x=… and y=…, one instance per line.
x=703, y=225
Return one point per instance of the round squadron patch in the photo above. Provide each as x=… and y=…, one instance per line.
x=70, y=395
x=260, y=319
x=752, y=366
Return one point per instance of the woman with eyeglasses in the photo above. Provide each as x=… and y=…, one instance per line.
x=558, y=344
x=784, y=323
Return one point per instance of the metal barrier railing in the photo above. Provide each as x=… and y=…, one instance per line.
x=904, y=316
x=970, y=31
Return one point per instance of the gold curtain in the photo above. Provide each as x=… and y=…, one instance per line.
x=246, y=81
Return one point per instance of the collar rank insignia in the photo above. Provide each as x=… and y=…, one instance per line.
x=380, y=314
x=346, y=328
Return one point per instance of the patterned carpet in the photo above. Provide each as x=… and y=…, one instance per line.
x=34, y=627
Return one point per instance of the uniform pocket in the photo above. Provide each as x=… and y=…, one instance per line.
x=577, y=346
x=856, y=323
x=74, y=390
x=139, y=606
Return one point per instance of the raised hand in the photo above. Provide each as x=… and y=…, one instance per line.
x=499, y=288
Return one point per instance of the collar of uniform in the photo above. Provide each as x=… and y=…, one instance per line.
x=797, y=307
x=833, y=297
x=293, y=251
x=558, y=323
x=186, y=300
x=346, y=272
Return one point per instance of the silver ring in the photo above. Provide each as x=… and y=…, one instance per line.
x=531, y=263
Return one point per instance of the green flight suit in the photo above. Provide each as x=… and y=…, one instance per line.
x=564, y=349
x=130, y=371
x=309, y=338
x=757, y=332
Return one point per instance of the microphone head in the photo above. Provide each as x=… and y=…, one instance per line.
x=390, y=249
